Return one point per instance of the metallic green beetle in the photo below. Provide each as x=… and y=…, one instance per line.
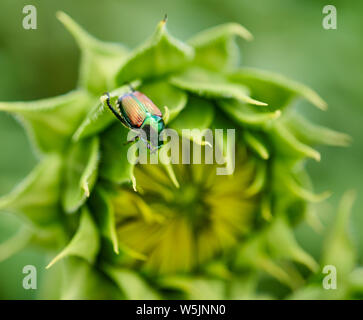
x=136, y=111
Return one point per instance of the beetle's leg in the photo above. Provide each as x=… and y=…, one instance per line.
x=108, y=102
x=136, y=138
x=118, y=115
x=151, y=148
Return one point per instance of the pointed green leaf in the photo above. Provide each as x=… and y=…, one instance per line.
x=100, y=117
x=281, y=241
x=114, y=164
x=51, y=122
x=52, y=283
x=253, y=254
x=131, y=284
x=339, y=250
x=99, y=61
x=165, y=95
x=255, y=141
x=274, y=89
x=15, y=243
x=171, y=174
x=212, y=85
x=216, y=49
x=198, y=114
x=288, y=145
x=104, y=214
x=85, y=242
x=259, y=181
x=160, y=55
x=248, y=115
x=80, y=173
x=83, y=281
x=310, y=133
x=296, y=181
x=36, y=198
x=300, y=191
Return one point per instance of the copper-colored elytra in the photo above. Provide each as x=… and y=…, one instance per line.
x=132, y=110
x=148, y=104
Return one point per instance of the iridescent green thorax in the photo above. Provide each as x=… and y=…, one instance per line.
x=152, y=126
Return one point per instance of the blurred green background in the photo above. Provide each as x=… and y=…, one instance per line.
x=289, y=38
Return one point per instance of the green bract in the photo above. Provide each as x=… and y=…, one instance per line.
x=185, y=232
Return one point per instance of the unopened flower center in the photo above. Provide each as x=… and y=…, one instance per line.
x=178, y=227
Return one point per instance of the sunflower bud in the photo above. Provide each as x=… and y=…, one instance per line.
x=177, y=229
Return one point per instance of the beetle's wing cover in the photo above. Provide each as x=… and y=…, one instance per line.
x=134, y=112
x=148, y=104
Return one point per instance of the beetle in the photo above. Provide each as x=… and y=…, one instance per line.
x=136, y=111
